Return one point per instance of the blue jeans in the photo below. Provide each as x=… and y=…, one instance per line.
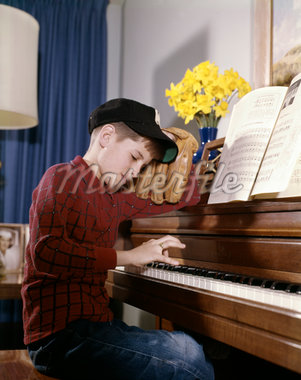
x=87, y=350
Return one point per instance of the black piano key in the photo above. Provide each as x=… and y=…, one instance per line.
x=157, y=264
x=176, y=268
x=244, y=280
x=219, y=275
x=181, y=268
x=215, y=274
x=267, y=283
x=210, y=273
x=255, y=281
x=191, y=270
x=277, y=285
x=170, y=267
x=201, y=272
x=230, y=277
x=205, y=271
x=294, y=288
x=150, y=265
x=184, y=268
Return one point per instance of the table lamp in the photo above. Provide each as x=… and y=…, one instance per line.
x=19, y=33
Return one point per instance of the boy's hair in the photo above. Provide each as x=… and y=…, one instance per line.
x=124, y=132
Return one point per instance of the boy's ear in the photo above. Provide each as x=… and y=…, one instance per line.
x=106, y=134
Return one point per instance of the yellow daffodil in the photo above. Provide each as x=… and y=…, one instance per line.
x=221, y=109
x=204, y=95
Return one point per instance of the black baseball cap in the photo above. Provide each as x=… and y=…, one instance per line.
x=142, y=119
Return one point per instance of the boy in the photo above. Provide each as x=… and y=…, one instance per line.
x=77, y=208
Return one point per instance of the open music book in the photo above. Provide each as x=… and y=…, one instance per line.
x=261, y=157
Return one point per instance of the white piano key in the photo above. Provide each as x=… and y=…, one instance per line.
x=227, y=288
x=234, y=290
x=297, y=303
x=243, y=291
x=259, y=294
x=182, y=279
x=279, y=297
x=268, y=297
x=287, y=302
x=251, y=293
x=190, y=280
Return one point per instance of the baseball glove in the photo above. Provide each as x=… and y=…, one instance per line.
x=166, y=182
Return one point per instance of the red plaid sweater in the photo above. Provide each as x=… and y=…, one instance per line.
x=73, y=228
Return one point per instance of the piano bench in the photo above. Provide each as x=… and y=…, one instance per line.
x=16, y=365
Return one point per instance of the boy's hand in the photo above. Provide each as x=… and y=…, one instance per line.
x=151, y=250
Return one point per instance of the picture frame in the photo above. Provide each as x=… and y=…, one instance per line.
x=262, y=43
x=209, y=167
x=213, y=145
x=11, y=248
x=26, y=235
x=277, y=55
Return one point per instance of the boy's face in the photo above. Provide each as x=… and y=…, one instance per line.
x=124, y=160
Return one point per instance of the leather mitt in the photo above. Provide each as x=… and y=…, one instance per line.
x=167, y=182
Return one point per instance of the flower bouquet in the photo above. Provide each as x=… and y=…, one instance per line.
x=204, y=95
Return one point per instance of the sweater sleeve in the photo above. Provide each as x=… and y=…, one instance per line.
x=60, y=229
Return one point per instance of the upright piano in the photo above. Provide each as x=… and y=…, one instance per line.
x=250, y=255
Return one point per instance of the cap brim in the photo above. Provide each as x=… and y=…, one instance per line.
x=170, y=154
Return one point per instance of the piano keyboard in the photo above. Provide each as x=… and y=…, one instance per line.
x=276, y=293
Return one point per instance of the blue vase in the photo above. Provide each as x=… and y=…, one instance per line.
x=206, y=134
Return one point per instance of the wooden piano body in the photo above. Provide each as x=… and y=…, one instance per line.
x=258, y=238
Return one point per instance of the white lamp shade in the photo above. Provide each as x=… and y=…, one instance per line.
x=19, y=35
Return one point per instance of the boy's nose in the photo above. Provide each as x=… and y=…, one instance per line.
x=137, y=169
x=135, y=173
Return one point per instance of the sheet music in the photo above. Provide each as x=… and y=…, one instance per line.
x=284, y=149
x=294, y=186
x=252, y=121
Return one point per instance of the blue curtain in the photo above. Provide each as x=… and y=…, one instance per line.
x=72, y=82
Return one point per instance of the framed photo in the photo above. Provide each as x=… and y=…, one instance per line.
x=286, y=43
x=277, y=42
x=11, y=248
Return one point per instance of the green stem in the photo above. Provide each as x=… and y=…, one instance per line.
x=208, y=120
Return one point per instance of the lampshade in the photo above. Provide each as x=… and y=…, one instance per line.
x=19, y=34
